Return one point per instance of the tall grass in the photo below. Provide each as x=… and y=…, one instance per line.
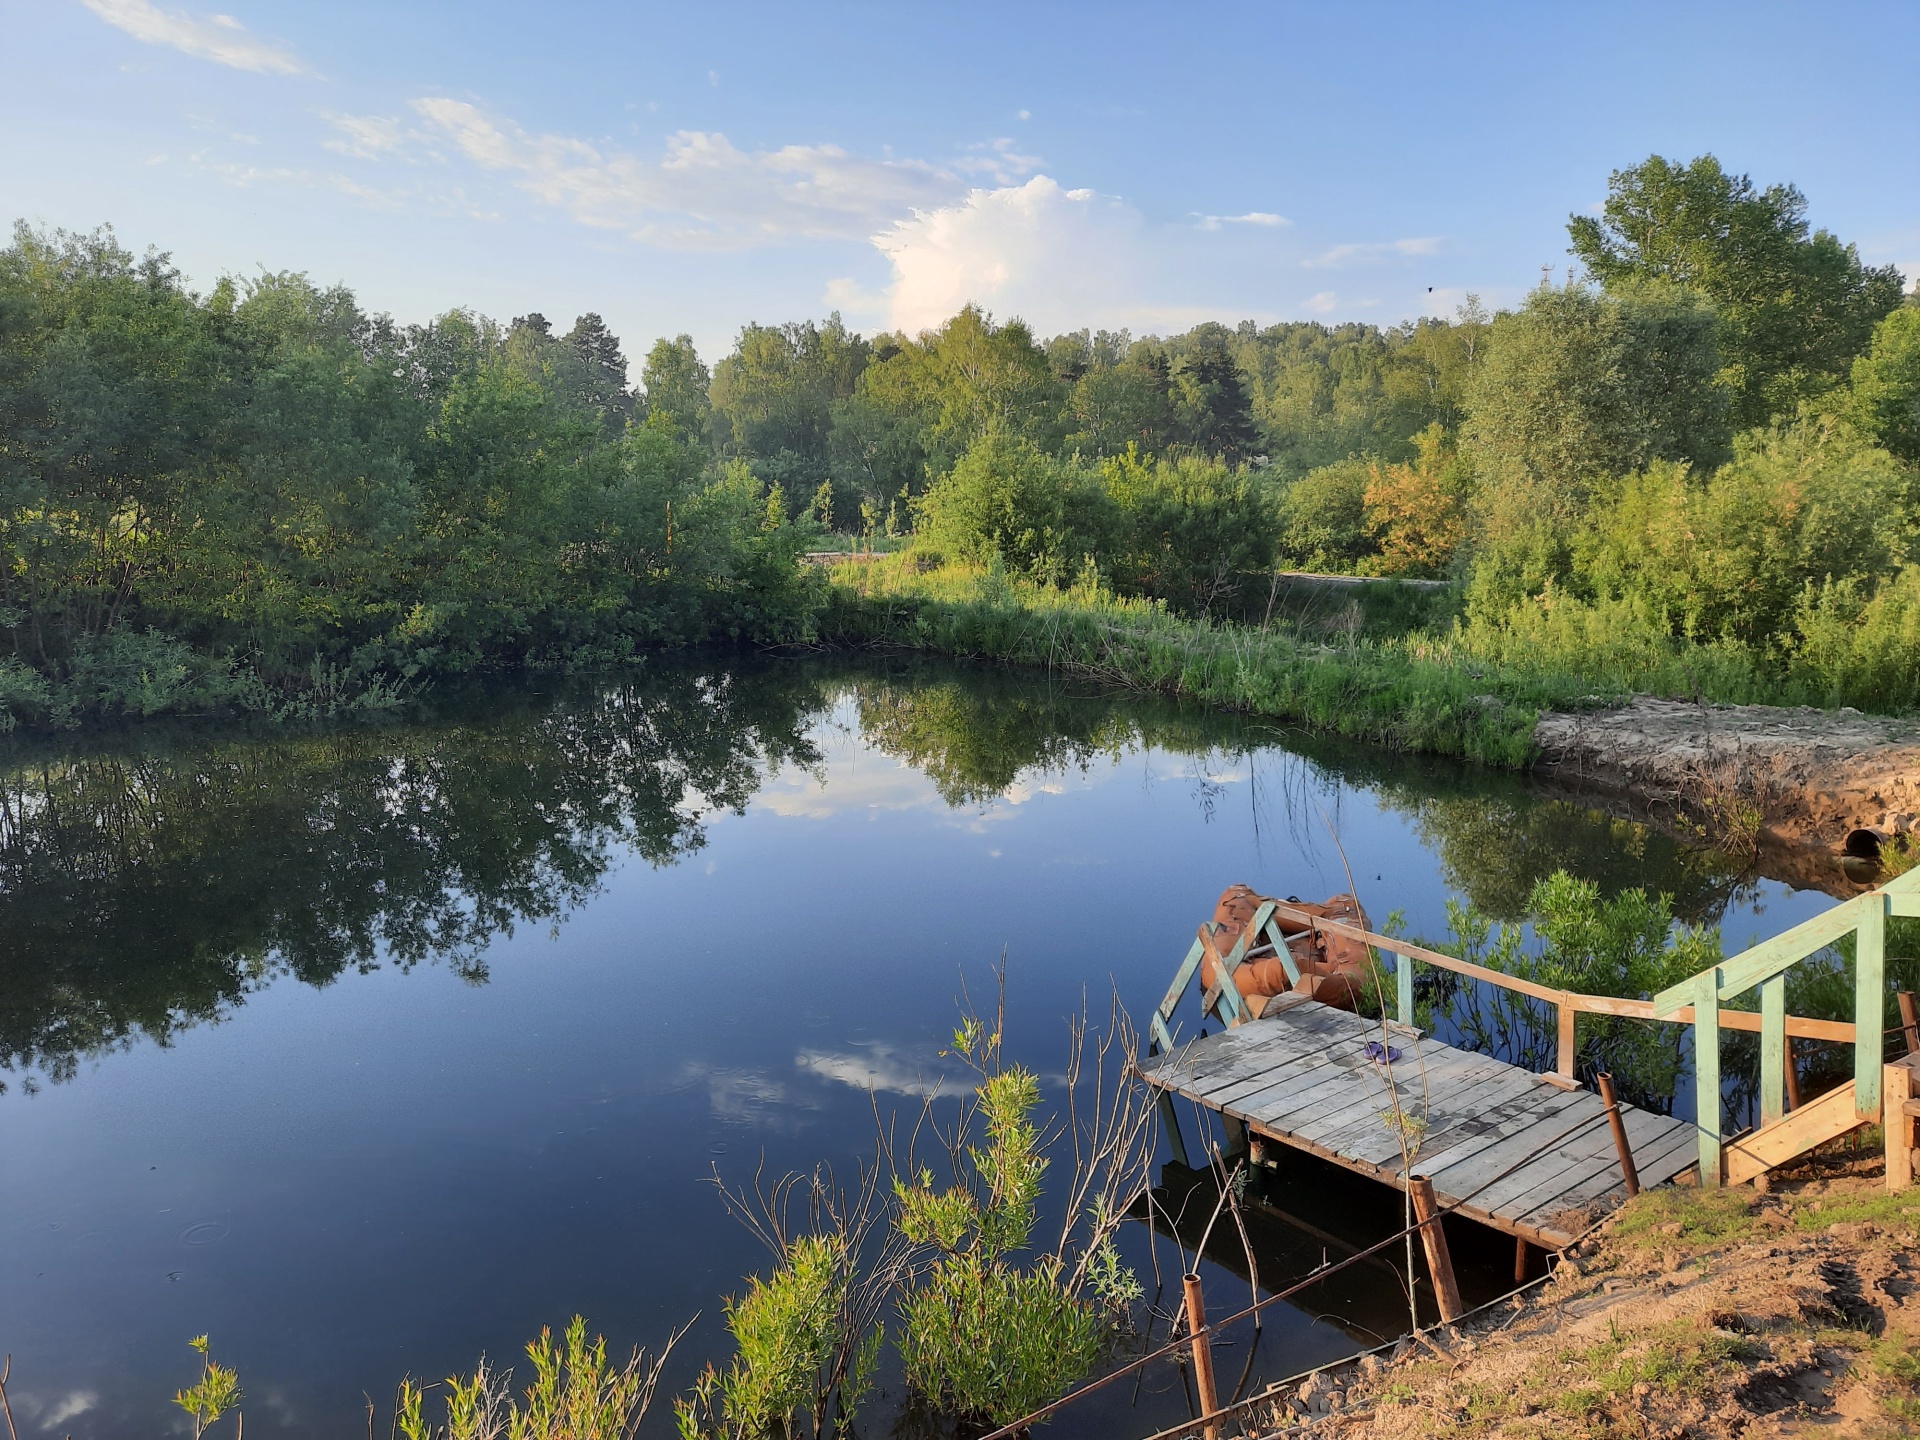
x=1389, y=691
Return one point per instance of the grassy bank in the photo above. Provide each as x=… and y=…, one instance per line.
x=1330, y=675
x=1701, y=1313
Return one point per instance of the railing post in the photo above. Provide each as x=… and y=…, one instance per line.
x=1706, y=1073
x=1869, y=1004
x=1909, y=1021
x=1426, y=1211
x=1773, y=1049
x=1403, y=986
x=1564, y=1048
x=1629, y=1172
x=1202, y=1355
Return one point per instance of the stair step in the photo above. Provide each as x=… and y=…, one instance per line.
x=1818, y=1121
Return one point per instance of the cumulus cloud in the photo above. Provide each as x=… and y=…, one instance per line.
x=998, y=161
x=1053, y=256
x=703, y=193
x=219, y=38
x=1343, y=255
x=1321, y=304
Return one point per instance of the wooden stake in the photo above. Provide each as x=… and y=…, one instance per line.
x=1519, y=1260
x=1202, y=1355
x=1439, y=1263
x=1620, y=1144
x=1793, y=1078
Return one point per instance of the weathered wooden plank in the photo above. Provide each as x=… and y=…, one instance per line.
x=1502, y=1124
x=1442, y=1082
x=1443, y=1115
x=1336, y=1081
x=1181, y=979
x=1450, y=1123
x=1773, y=1049
x=1540, y=1131
x=1592, y=1154
x=1869, y=1006
x=1657, y=1158
x=1286, y=1075
x=1664, y=1158
x=1706, y=1073
x=1747, y=969
x=1826, y=1118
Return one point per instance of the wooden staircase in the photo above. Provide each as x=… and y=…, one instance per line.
x=1813, y=1124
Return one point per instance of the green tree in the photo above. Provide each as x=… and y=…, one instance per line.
x=965, y=379
x=1795, y=304
x=1577, y=388
x=676, y=383
x=1212, y=412
x=1885, y=400
x=774, y=398
x=1187, y=531
x=1007, y=500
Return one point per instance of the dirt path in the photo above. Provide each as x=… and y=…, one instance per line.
x=1702, y=1314
x=1798, y=778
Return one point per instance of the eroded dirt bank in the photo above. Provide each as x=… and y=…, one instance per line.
x=1777, y=777
x=1700, y=1314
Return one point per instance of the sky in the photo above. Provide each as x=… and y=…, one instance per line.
x=696, y=167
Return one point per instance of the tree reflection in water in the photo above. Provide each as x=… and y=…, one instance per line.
x=150, y=885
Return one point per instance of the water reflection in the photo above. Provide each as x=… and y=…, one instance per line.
x=148, y=888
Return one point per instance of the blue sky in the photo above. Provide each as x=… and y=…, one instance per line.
x=694, y=167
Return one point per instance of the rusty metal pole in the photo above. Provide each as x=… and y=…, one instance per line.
x=1619, y=1135
x=1519, y=1260
x=1909, y=1021
x=1202, y=1355
x=1439, y=1262
x=1793, y=1075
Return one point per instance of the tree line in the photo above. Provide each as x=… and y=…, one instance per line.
x=264, y=496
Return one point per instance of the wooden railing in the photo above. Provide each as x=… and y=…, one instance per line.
x=1697, y=1001
x=1699, y=998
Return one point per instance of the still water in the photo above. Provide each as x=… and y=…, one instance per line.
x=369, y=1051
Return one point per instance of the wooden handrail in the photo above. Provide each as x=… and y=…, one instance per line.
x=1798, y=1026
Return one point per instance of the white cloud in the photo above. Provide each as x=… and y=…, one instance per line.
x=219, y=38
x=998, y=161
x=1343, y=255
x=702, y=193
x=1321, y=304
x=873, y=1067
x=1054, y=257
x=70, y=1405
x=365, y=137
x=1261, y=218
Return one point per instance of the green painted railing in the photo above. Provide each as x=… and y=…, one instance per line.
x=1765, y=967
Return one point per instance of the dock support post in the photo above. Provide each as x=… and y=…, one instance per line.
x=1519, y=1260
x=1202, y=1355
x=1170, y=1122
x=1439, y=1262
x=1627, y=1170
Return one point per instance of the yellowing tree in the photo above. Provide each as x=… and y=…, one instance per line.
x=1414, y=510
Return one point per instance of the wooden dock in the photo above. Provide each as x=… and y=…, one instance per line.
x=1525, y=1153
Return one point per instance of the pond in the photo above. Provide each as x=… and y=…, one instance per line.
x=367, y=1051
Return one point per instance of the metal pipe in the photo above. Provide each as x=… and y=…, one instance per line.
x=1793, y=1077
x=1202, y=1355
x=1620, y=1144
x=1426, y=1211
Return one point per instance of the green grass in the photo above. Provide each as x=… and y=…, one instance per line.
x=1378, y=690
